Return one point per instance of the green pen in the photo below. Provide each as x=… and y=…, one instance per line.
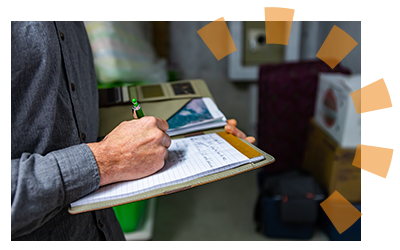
x=136, y=107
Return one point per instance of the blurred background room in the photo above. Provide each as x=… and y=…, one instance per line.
x=296, y=106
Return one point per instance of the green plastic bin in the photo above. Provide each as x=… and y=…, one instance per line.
x=129, y=215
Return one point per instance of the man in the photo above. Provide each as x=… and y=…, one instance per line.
x=54, y=125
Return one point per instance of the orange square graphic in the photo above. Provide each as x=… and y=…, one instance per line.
x=373, y=159
x=278, y=14
x=340, y=211
x=277, y=32
x=278, y=23
x=336, y=47
x=217, y=37
x=371, y=97
x=356, y=97
x=375, y=96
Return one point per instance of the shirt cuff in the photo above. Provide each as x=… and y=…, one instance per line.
x=79, y=171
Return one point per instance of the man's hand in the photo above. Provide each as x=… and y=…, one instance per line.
x=232, y=129
x=133, y=150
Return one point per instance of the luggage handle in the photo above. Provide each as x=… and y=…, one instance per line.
x=309, y=195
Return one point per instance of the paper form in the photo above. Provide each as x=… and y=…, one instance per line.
x=189, y=158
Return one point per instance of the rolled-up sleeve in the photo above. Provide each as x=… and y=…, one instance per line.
x=43, y=185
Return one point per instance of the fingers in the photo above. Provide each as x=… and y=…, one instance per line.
x=166, y=154
x=231, y=128
x=235, y=131
x=167, y=141
x=162, y=124
x=250, y=139
x=232, y=122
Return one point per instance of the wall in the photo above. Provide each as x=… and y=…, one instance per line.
x=315, y=33
x=238, y=100
x=192, y=57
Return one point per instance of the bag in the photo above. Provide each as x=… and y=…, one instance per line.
x=298, y=204
x=287, y=204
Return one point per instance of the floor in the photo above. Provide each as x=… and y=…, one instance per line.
x=221, y=211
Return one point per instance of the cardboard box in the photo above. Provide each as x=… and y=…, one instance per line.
x=334, y=109
x=331, y=165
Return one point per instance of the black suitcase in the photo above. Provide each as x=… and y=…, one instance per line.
x=287, y=205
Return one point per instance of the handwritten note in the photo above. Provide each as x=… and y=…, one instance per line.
x=188, y=159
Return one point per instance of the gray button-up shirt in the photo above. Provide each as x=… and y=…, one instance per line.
x=54, y=112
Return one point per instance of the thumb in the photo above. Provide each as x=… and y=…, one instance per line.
x=251, y=139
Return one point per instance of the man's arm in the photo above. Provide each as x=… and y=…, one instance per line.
x=43, y=185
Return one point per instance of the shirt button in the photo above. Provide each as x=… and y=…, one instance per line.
x=73, y=87
x=99, y=224
x=62, y=36
x=83, y=137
